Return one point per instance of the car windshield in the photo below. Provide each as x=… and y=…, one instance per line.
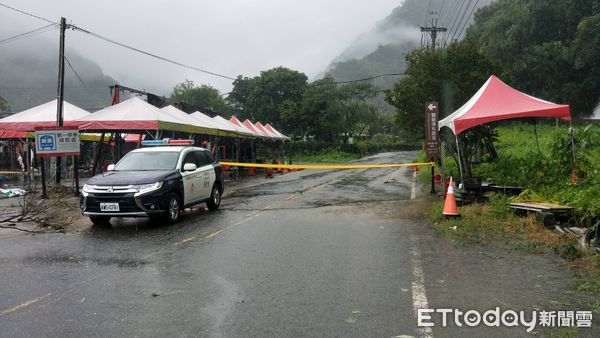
x=148, y=161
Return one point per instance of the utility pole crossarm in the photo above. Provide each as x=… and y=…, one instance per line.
x=433, y=30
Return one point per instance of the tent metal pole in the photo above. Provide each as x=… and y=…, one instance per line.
x=237, y=157
x=98, y=153
x=572, y=144
x=537, y=141
x=459, y=159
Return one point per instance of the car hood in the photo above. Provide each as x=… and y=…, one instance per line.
x=115, y=177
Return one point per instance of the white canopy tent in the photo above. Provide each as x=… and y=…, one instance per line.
x=226, y=124
x=43, y=115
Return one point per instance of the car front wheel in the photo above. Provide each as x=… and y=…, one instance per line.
x=215, y=198
x=173, y=208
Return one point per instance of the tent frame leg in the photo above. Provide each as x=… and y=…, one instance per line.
x=459, y=159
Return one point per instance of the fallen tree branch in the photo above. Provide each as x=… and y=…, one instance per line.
x=19, y=229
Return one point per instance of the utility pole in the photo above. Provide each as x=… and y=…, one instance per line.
x=433, y=30
x=61, y=89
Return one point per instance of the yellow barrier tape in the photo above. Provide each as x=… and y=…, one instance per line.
x=326, y=166
x=11, y=172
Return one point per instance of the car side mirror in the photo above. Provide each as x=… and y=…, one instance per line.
x=189, y=167
x=110, y=167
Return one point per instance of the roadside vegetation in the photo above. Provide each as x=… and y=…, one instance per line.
x=548, y=175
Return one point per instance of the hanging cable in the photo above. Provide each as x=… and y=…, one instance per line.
x=75, y=72
x=98, y=36
x=427, y=14
x=28, y=34
x=467, y=21
x=461, y=21
x=455, y=19
x=28, y=14
x=441, y=11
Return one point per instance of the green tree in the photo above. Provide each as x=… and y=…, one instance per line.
x=450, y=76
x=319, y=113
x=549, y=48
x=269, y=96
x=357, y=114
x=204, y=96
x=3, y=105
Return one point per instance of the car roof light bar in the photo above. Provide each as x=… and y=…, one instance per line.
x=167, y=142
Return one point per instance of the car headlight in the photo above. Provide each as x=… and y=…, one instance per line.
x=145, y=188
x=86, y=188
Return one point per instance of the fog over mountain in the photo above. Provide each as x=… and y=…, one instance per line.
x=383, y=48
x=29, y=72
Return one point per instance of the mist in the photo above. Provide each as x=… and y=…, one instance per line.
x=226, y=37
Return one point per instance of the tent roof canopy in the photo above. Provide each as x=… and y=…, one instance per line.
x=234, y=120
x=190, y=119
x=222, y=121
x=43, y=115
x=496, y=101
x=136, y=114
x=270, y=128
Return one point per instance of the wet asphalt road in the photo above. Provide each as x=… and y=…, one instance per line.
x=311, y=253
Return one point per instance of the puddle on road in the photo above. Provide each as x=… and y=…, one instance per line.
x=73, y=259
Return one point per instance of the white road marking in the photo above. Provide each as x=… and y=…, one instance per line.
x=419, y=296
x=413, y=187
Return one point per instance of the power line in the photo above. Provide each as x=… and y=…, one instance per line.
x=457, y=14
x=448, y=17
x=28, y=34
x=461, y=20
x=370, y=78
x=75, y=72
x=427, y=14
x=28, y=14
x=98, y=36
x=468, y=17
x=441, y=11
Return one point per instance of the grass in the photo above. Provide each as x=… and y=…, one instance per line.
x=483, y=223
x=334, y=156
x=494, y=221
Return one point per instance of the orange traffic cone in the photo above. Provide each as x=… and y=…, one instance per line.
x=268, y=173
x=450, y=209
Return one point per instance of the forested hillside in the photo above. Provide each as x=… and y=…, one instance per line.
x=29, y=78
x=549, y=48
x=383, y=49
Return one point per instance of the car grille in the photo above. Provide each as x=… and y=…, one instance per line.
x=125, y=200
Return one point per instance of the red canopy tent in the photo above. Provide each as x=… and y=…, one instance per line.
x=496, y=101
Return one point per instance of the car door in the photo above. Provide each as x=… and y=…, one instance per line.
x=207, y=173
x=192, y=180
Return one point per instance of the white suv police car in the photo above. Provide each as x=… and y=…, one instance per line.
x=154, y=182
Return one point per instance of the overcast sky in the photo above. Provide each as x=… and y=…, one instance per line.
x=229, y=37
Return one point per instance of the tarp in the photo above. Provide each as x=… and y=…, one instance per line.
x=262, y=129
x=133, y=138
x=8, y=134
x=43, y=115
x=496, y=101
x=204, y=119
x=190, y=119
x=275, y=131
x=253, y=129
x=238, y=123
x=222, y=121
x=136, y=114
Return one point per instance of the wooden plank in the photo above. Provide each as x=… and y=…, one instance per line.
x=534, y=206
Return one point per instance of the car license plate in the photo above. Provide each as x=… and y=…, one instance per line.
x=109, y=206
